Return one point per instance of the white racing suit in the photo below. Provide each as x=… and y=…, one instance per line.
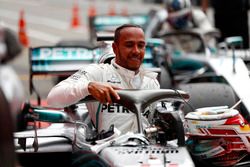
x=75, y=88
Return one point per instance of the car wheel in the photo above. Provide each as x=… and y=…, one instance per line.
x=207, y=95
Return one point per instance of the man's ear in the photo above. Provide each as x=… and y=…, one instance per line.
x=114, y=46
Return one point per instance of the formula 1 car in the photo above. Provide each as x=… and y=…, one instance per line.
x=193, y=62
x=162, y=143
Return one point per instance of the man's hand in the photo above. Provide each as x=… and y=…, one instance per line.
x=103, y=92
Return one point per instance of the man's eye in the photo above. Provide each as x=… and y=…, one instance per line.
x=142, y=46
x=129, y=45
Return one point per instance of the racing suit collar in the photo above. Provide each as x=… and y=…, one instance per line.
x=131, y=74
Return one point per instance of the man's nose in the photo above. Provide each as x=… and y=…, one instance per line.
x=136, y=49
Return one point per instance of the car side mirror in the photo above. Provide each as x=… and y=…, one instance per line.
x=235, y=41
x=53, y=116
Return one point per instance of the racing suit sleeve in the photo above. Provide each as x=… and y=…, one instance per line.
x=201, y=20
x=74, y=88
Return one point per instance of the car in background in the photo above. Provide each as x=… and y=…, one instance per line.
x=193, y=62
x=106, y=23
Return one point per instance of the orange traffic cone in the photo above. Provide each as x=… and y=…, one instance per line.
x=112, y=10
x=22, y=30
x=75, y=21
x=92, y=11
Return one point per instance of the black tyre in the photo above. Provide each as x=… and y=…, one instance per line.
x=165, y=79
x=7, y=149
x=208, y=95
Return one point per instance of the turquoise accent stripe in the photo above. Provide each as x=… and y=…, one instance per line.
x=97, y=116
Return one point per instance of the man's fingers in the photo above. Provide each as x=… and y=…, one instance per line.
x=100, y=96
x=107, y=97
x=116, y=87
x=103, y=92
x=115, y=94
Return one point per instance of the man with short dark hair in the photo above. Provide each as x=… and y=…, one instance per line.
x=102, y=80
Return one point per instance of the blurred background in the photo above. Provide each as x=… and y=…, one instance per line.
x=46, y=22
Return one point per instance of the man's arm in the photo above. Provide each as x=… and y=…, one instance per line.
x=201, y=20
x=85, y=82
x=68, y=91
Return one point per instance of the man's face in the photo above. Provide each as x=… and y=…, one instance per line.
x=130, y=48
